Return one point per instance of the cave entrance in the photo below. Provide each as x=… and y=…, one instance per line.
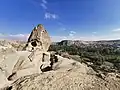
x=34, y=44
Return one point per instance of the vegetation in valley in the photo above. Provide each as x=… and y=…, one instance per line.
x=105, y=57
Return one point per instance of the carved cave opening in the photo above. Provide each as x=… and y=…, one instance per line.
x=34, y=44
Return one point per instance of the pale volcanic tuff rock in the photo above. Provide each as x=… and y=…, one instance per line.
x=68, y=75
x=22, y=63
x=39, y=38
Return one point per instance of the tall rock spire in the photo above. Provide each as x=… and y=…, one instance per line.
x=39, y=37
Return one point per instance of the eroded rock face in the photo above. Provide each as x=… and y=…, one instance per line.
x=38, y=43
x=22, y=63
x=38, y=38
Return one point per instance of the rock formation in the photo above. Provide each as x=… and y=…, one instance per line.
x=29, y=61
x=38, y=38
x=38, y=43
x=23, y=70
x=69, y=75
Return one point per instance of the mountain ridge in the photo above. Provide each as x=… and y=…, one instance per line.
x=79, y=42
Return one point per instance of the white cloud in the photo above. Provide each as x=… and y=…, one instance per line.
x=44, y=1
x=116, y=30
x=72, y=36
x=87, y=38
x=43, y=6
x=50, y=16
x=25, y=37
x=15, y=36
x=94, y=32
x=72, y=33
x=93, y=37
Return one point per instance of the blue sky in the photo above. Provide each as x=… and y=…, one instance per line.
x=63, y=19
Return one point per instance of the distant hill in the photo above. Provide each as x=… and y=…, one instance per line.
x=80, y=42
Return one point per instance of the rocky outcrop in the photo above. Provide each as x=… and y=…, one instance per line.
x=22, y=63
x=68, y=75
x=26, y=70
x=38, y=38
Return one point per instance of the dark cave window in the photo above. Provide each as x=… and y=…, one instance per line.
x=34, y=44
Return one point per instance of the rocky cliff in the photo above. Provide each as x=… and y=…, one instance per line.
x=39, y=37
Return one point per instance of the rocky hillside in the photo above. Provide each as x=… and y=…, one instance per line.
x=80, y=42
x=68, y=74
x=29, y=66
x=14, y=44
